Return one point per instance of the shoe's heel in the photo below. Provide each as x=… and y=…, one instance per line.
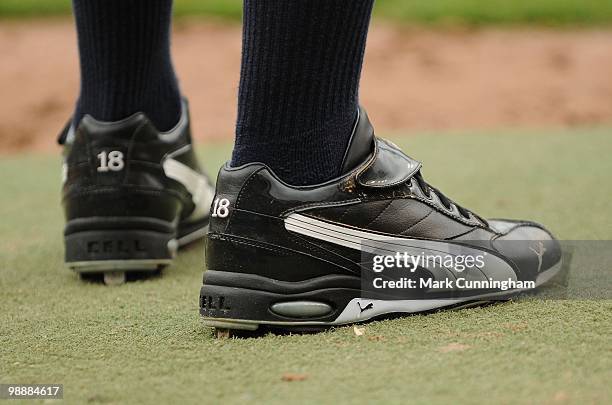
x=112, y=247
x=233, y=301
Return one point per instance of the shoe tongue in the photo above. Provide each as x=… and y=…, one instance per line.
x=361, y=144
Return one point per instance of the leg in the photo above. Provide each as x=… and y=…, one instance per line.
x=124, y=53
x=299, y=85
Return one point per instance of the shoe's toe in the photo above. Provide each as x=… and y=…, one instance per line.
x=534, y=250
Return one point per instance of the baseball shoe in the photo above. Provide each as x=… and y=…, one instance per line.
x=301, y=258
x=131, y=195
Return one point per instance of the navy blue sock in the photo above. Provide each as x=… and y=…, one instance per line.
x=299, y=83
x=124, y=51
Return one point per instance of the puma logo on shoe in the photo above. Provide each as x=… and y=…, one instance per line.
x=197, y=184
x=539, y=253
x=368, y=306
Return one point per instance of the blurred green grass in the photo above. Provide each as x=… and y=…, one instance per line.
x=464, y=12
x=144, y=342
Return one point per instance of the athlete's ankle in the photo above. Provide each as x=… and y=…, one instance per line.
x=300, y=158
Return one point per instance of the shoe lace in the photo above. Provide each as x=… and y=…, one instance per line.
x=447, y=202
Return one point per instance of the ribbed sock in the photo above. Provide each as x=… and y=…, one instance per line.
x=299, y=83
x=124, y=51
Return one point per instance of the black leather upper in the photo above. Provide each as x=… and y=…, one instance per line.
x=380, y=194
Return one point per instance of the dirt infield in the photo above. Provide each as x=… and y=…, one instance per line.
x=413, y=78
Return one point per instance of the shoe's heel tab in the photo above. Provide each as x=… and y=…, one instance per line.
x=124, y=129
x=90, y=128
x=136, y=128
x=230, y=180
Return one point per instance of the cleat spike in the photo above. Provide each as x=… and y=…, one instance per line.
x=113, y=278
x=222, y=333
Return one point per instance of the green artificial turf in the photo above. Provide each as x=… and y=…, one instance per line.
x=472, y=12
x=144, y=343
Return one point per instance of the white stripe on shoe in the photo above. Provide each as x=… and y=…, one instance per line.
x=197, y=184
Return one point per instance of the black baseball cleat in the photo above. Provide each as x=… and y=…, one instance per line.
x=131, y=195
x=305, y=258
